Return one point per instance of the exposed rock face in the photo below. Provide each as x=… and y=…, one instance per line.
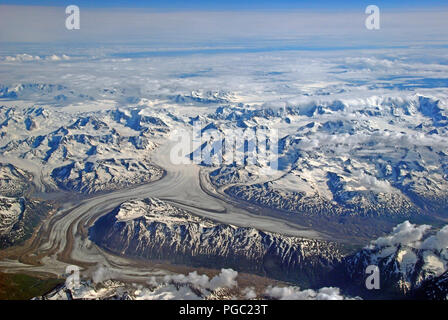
x=153, y=229
x=348, y=203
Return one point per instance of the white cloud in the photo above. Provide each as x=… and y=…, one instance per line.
x=249, y=293
x=192, y=278
x=187, y=287
x=225, y=279
x=101, y=274
x=21, y=57
x=55, y=57
x=194, y=286
x=294, y=293
x=25, y=57
x=405, y=233
x=438, y=241
x=168, y=292
x=369, y=62
x=374, y=184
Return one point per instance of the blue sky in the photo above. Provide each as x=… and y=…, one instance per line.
x=236, y=4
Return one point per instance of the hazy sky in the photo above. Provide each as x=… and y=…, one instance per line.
x=321, y=24
x=235, y=4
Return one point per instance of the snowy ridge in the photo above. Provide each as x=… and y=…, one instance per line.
x=153, y=229
x=204, y=97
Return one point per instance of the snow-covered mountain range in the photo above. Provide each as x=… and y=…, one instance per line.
x=155, y=230
x=91, y=152
x=361, y=148
x=373, y=157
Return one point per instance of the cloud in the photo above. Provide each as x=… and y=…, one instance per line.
x=55, y=57
x=192, y=286
x=372, y=183
x=24, y=57
x=21, y=58
x=168, y=292
x=225, y=279
x=249, y=293
x=405, y=233
x=369, y=62
x=192, y=278
x=294, y=293
x=438, y=241
x=101, y=274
